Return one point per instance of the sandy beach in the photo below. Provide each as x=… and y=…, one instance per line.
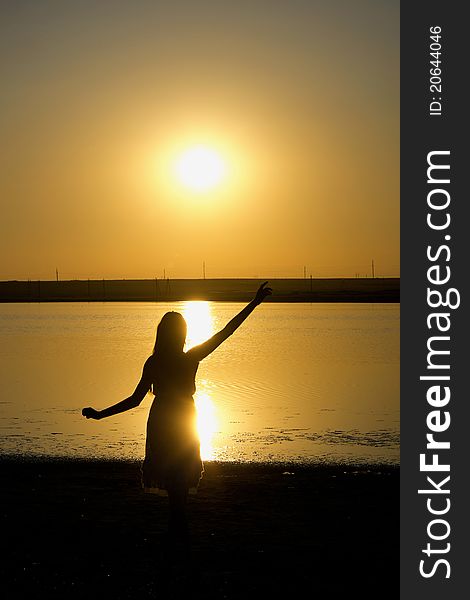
x=85, y=529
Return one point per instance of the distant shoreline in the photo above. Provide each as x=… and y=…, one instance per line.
x=385, y=289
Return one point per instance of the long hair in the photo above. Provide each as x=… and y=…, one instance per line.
x=171, y=335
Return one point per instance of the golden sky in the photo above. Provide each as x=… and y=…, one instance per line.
x=298, y=99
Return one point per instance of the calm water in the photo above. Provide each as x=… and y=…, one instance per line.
x=310, y=382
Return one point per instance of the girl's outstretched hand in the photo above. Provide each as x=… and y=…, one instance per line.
x=263, y=292
x=91, y=413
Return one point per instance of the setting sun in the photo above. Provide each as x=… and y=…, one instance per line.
x=200, y=168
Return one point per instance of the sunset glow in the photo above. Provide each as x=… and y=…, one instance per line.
x=261, y=139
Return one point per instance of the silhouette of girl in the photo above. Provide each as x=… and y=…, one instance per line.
x=172, y=463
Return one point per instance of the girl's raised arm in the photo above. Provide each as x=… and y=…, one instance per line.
x=204, y=349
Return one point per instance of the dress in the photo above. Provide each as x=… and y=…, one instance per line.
x=172, y=448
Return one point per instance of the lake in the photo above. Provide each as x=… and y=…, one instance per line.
x=297, y=382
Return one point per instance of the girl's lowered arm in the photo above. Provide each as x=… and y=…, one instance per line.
x=132, y=402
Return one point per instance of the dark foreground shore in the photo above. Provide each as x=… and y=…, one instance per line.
x=84, y=529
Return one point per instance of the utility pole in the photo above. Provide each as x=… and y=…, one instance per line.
x=203, y=269
x=373, y=269
x=56, y=274
x=305, y=272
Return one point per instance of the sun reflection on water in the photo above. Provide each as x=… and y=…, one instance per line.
x=200, y=322
x=206, y=424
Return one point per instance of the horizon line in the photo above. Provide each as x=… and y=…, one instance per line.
x=254, y=278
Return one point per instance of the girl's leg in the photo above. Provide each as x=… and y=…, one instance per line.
x=178, y=523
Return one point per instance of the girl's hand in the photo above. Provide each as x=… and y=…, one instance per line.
x=91, y=413
x=262, y=293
